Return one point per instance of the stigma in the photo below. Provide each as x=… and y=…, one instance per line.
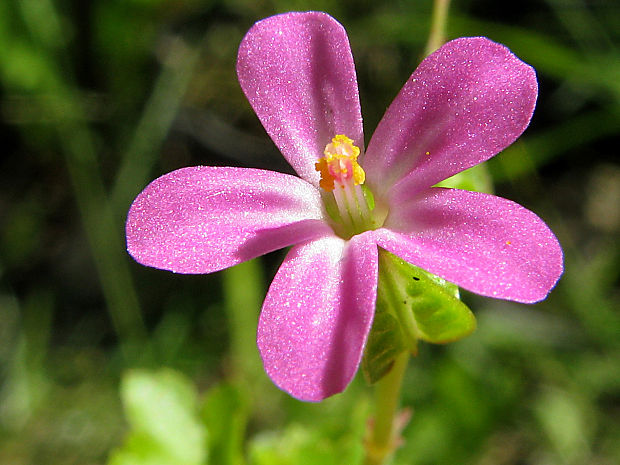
x=350, y=205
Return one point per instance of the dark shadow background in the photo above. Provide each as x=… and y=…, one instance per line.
x=97, y=98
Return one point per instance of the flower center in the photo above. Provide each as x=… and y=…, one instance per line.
x=351, y=203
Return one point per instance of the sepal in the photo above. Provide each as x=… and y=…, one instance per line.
x=412, y=305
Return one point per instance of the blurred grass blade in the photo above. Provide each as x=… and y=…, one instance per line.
x=244, y=292
x=78, y=147
x=159, y=112
x=225, y=412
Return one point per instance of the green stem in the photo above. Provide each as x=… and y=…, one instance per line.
x=437, y=35
x=383, y=437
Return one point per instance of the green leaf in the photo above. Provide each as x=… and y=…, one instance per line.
x=327, y=441
x=296, y=445
x=162, y=411
x=140, y=449
x=412, y=304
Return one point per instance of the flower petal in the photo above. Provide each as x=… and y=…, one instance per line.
x=464, y=103
x=317, y=315
x=297, y=71
x=485, y=244
x=203, y=219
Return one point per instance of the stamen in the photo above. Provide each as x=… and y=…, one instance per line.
x=342, y=176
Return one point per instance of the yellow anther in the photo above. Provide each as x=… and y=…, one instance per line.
x=339, y=165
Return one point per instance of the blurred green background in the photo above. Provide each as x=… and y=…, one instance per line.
x=97, y=98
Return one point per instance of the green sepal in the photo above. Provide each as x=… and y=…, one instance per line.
x=477, y=178
x=412, y=305
x=385, y=342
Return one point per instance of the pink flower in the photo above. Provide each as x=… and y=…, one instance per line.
x=465, y=103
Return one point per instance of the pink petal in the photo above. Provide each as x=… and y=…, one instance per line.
x=203, y=219
x=464, y=103
x=317, y=315
x=485, y=244
x=297, y=71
